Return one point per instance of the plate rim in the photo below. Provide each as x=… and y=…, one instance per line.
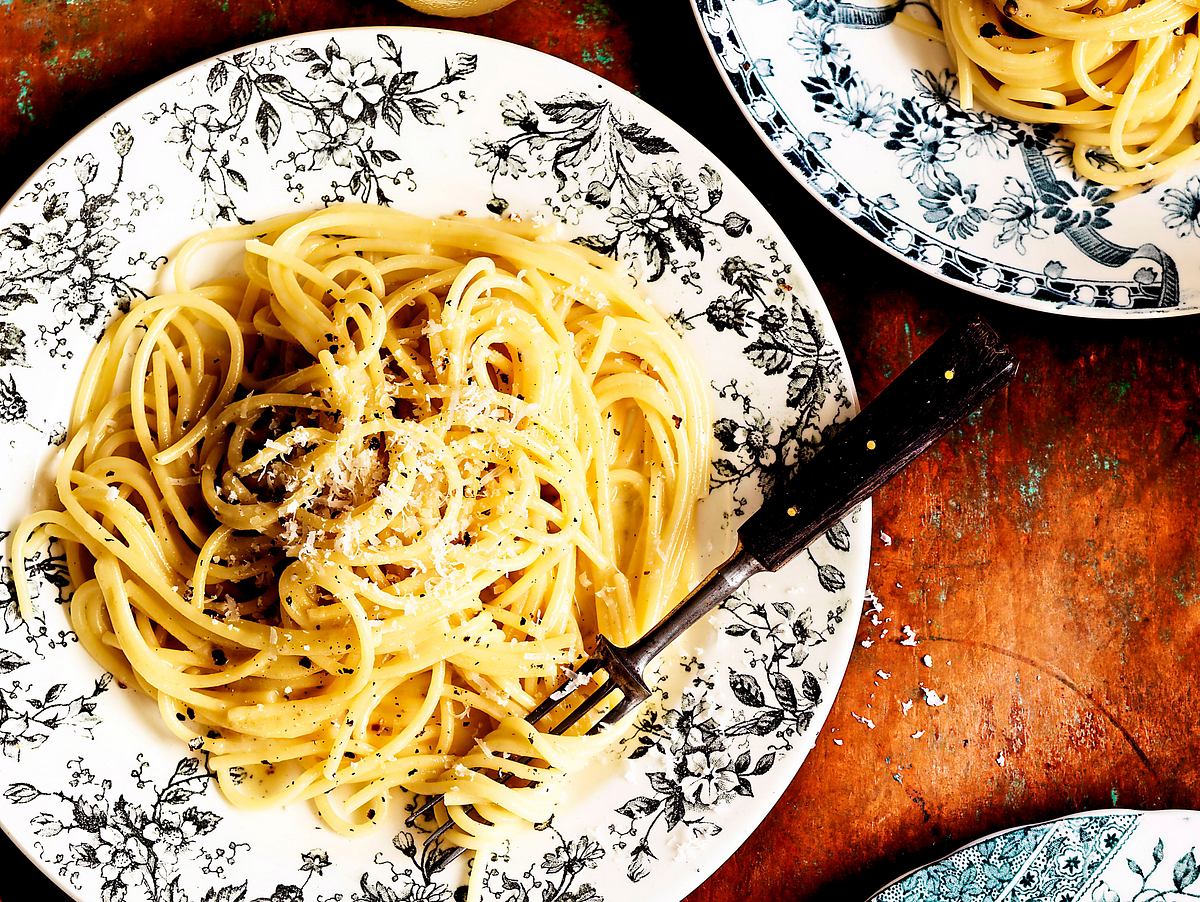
x=857, y=577
x=1074, y=815
x=1078, y=311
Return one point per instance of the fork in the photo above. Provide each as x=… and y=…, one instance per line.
x=953, y=377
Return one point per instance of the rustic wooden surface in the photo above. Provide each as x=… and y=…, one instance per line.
x=1046, y=555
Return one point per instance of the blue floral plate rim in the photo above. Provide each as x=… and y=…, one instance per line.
x=1090, y=295
x=1121, y=866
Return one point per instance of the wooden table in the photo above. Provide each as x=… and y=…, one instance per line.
x=1047, y=553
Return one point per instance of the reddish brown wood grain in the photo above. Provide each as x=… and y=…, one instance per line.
x=1046, y=557
x=1046, y=554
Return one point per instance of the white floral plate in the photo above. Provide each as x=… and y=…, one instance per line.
x=1100, y=856
x=865, y=115
x=91, y=786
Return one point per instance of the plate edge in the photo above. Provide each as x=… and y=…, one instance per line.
x=1076, y=311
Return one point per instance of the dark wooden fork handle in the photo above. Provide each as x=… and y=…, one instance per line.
x=958, y=372
x=919, y=407
x=952, y=378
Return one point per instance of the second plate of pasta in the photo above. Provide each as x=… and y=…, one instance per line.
x=398, y=377
x=1041, y=154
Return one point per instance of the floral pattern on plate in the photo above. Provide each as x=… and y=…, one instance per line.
x=1101, y=856
x=866, y=116
x=109, y=805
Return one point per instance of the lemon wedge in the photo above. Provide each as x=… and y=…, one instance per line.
x=456, y=8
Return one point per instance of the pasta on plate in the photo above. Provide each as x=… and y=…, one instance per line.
x=348, y=516
x=1122, y=77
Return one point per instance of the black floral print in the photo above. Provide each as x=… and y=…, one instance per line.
x=1074, y=207
x=707, y=749
x=343, y=112
x=658, y=213
x=839, y=94
x=1183, y=207
x=925, y=140
x=28, y=719
x=560, y=876
x=1018, y=213
x=139, y=848
x=29, y=715
x=131, y=848
x=1180, y=881
x=65, y=254
x=794, y=348
x=951, y=207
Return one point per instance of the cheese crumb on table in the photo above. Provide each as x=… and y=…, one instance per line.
x=932, y=698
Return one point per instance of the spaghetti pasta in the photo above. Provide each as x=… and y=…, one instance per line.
x=1122, y=77
x=347, y=518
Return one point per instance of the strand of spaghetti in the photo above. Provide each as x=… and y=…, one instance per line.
x=346, y=517
x=1122, y=79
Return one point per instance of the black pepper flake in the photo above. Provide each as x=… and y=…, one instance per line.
x=370, y=814
x=213, y=734
x=219, y=658
x=1011, y=8
x=989, y=30
x=191, y=713
x=179, y=716
x=306, y=662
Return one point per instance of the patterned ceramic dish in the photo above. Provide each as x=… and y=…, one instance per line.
x=866, y=116
x=1100, y=856
x=91, y=787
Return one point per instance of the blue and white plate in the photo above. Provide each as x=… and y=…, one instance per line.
x=91, y=785
x=865, y=115
x=1098, y=856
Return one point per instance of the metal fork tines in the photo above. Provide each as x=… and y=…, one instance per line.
x=623, y=669
x=961, y=369
x=633, y=693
